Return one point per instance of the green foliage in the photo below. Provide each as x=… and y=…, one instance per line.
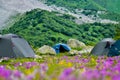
x=111, y=16
x=76, y=4
x=89, y=12
x=77, y=48
x=110, y=5
x=41, y=27
x=117, y=35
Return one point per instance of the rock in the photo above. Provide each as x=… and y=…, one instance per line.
x=86, y=49
x=37, y=56
x=73, y=43
x=73, y=52
x=46, y=50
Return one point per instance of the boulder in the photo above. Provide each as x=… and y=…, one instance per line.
x=37, y=56
x=73, y=43
x=46, y=50
x=74, y=52
x=86, y=49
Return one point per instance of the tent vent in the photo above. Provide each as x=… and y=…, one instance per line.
x=16, y=37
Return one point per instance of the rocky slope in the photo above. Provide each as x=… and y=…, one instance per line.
x=9, y=8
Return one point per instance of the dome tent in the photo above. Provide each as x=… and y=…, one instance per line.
x=13, y=46
x=103, y=47
x=61, y=48
x=115, y=49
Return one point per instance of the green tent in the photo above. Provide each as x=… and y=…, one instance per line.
x=115, y=49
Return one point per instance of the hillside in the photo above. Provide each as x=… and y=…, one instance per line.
x=9, y=8
x=109, y=8
x=110, y=5
x=76, y=4
x=41, y=27
x=85, y=10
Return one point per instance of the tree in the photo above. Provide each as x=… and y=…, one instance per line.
x=117, y=34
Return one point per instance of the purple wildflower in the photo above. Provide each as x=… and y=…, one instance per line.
x=66, y=74
x=5, y=73
x=17, y=73
x=30, y=77
x=43, y=67
x=116, y=77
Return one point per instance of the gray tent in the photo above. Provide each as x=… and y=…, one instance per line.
x=12, y=45
x=102, y=48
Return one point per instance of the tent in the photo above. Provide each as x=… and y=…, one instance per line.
x=12, y=45
x=103, y=47
x=61, y=48
x=115, y=49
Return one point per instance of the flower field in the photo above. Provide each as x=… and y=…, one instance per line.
x=61, y=68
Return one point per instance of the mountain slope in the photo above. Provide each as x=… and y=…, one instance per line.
x=10, y=8
x=110, y=5
x=76, y=4
x=41, y=27
x=110, y=8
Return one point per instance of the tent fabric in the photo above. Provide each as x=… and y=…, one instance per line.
x=12, y=45
x=115, y=49
x=61, y=48
x=23, y=46
x=103, y=47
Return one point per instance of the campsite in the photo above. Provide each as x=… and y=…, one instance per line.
x=62, y=65
x=59, y=39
